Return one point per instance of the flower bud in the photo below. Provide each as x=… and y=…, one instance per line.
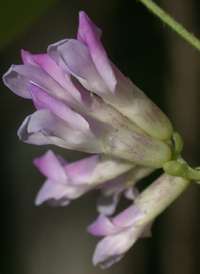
x=176, y=168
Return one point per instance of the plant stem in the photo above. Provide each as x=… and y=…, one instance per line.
x=190, y=38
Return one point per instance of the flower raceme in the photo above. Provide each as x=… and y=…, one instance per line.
x=66, y=182
x=105, y=114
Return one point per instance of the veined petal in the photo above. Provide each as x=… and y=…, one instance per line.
x=110, y=168
x=75, y=96
x=36, y=138
x=139, y=148
x=132, y=102
x=74, y=56
x=17, y=82
x=61, y=76
x=39, y=77
x=128, y=217
x=60, y=133
x=59, y=108
x=89, y=34
x=51, y=167
x=159, y=195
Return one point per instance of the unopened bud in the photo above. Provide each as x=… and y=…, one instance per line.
x=176, y=168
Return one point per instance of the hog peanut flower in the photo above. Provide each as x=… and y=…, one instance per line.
x=66, y=182
x=120, y=234
x=120, y=121
x=104, y=114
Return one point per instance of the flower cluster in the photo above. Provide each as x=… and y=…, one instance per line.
x=106, y=115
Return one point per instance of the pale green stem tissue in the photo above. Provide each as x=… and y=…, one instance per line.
x=190, y=38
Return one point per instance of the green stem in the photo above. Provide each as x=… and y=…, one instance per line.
x=190, y=38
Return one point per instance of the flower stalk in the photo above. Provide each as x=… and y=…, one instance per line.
x=167, y=19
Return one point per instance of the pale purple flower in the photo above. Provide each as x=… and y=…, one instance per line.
x=120, y=122
x=55, y=123
x=86, y=59
x=106, y=115
x=119, y=233
x=68, y=181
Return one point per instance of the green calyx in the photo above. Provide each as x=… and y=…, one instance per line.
x=177, y=166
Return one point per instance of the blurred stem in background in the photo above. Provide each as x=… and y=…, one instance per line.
x=172, y=23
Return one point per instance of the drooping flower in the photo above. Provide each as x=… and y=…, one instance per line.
x=120, y=122
x=122, y=231
x=86, y=59
x=119, y=233
x=68, y=181
x=107, y=115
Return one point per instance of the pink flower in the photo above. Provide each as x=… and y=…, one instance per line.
x=105, y=114
x=120, y=122
x=86, y=59
x=119, y=233
x=66, y=182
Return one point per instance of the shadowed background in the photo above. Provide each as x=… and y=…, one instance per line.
x=45, y=240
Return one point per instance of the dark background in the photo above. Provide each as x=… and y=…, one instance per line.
x=45, y=240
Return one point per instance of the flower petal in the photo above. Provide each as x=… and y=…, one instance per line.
x=112, y=248
x=59, y=132
x=159, y=195
x=17, y=82
x=74, y=57
x=61, y=76
x=131, y=193
x=51, y=167
x=86, y=25
x=36, y=138
x=50, y=190
x=59, y=108
x=89, y=34
x=60, y=202
x=96, y=169
x=108, y=204
x=80, y=172
x=128, y=217
x=109, y=168
x=61, y=193
x=134, y=147
x=102, y=227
